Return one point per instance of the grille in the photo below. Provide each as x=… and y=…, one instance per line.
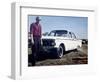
x=47, y=42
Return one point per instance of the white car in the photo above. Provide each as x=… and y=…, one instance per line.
x=59, y=41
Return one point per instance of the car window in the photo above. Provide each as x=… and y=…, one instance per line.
x=69, y=35
x=58, y=33
x=52, y=33
x=73, y=36
x=61, y=33
x=64, y=35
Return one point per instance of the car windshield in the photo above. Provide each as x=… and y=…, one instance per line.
x=58, y=33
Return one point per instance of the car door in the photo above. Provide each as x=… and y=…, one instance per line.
x=69, y=41
x=74, y=41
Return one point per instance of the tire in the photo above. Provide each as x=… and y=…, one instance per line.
x=60, y=52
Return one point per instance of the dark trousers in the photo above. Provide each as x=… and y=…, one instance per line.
x=36, y=49
x=37, y=45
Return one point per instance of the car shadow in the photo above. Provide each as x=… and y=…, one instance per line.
x=44, y=56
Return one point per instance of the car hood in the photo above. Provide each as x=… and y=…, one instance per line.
x=53, y=37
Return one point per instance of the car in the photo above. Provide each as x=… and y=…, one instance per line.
x=59, y=41
x=84, y=41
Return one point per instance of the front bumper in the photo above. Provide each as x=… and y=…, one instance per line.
x=49, y=49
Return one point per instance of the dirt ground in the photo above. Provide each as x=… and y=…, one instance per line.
x=73, y=57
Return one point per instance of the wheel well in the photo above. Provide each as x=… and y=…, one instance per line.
x=63, y=46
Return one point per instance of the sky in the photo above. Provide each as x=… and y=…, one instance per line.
x=78, y=25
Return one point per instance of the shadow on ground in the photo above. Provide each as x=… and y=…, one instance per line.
x=72, y=57
x=45, y=56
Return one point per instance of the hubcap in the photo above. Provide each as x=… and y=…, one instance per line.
x=60, y=51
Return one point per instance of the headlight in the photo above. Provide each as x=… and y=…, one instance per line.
x=53, y=43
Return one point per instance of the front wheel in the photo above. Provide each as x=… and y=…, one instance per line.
x=60, y=52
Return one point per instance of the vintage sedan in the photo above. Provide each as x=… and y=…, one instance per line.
x=59, y=41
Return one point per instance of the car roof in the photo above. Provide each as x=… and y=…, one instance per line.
x=59, y=30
